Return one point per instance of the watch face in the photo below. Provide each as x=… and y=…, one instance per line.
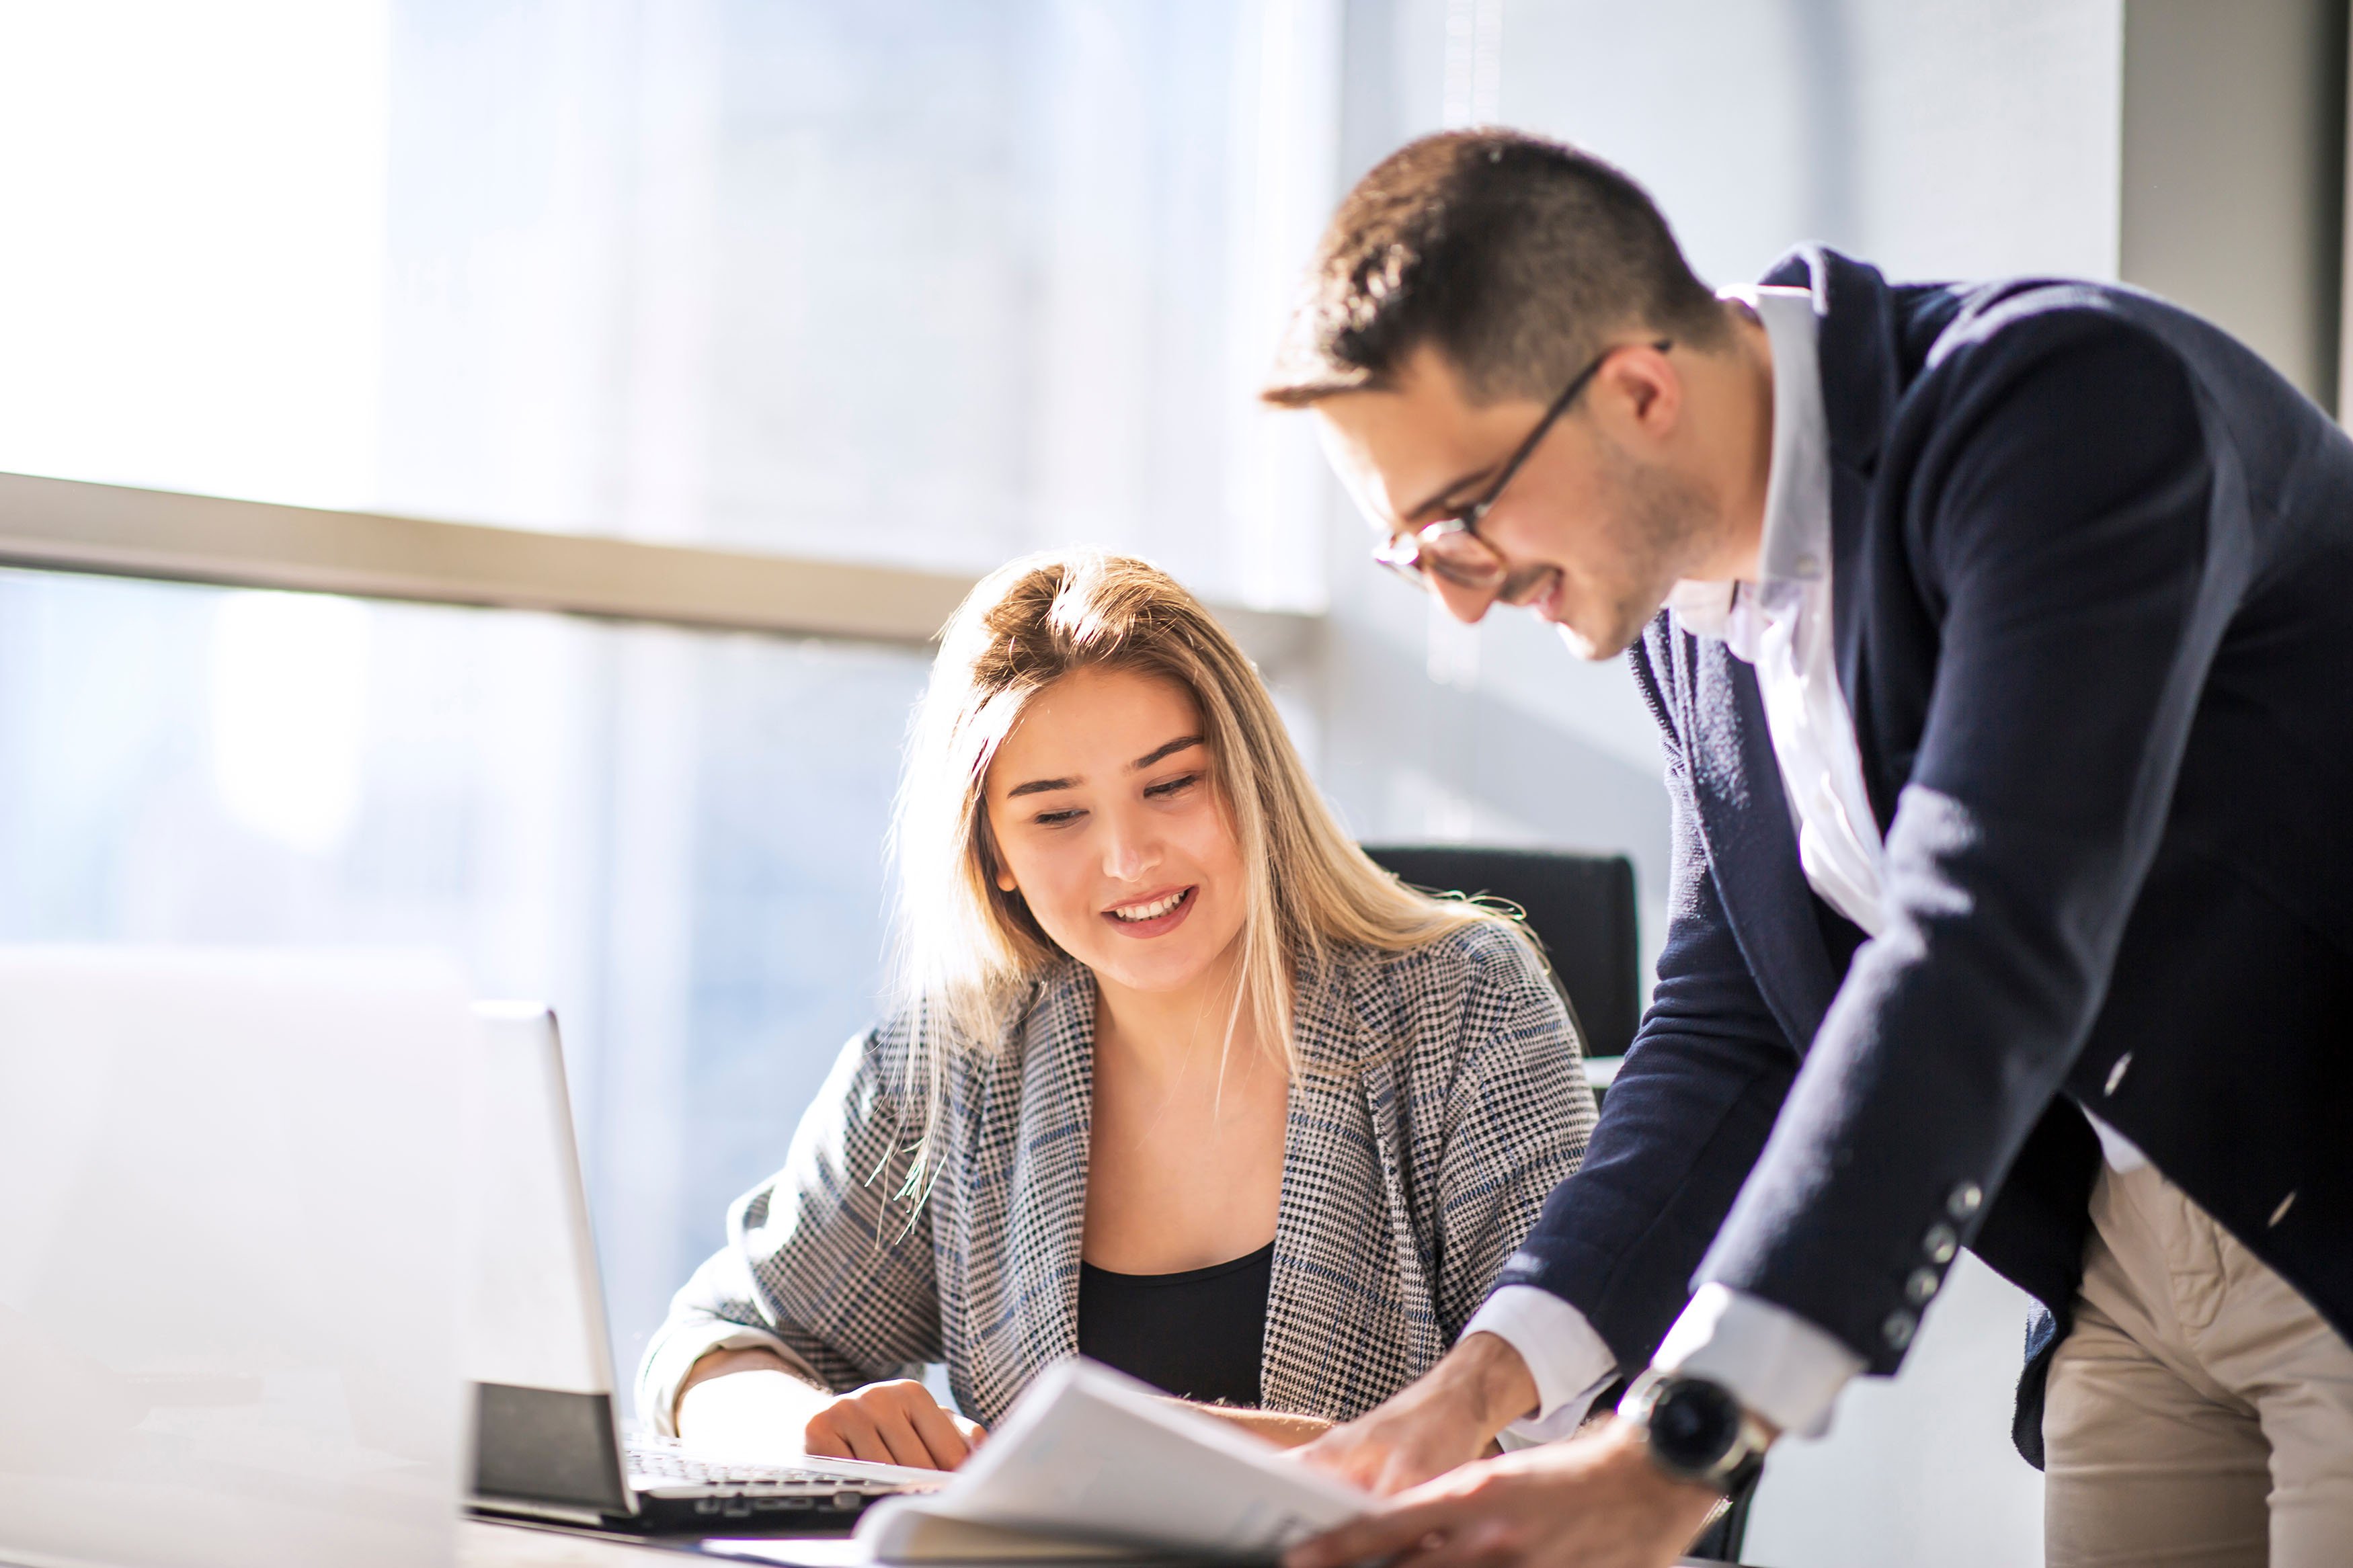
x=1694, y=1425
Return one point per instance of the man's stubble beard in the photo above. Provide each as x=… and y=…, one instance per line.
x=1655, y=522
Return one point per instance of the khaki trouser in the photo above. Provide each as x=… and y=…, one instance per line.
x=2201, y=1412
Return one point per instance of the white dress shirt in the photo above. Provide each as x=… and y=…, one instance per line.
x=1780, y=1365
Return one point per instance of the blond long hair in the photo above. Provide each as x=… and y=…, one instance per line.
x=968, y=952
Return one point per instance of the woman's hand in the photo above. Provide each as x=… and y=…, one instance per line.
x=894, y=1423
x=754, y=1403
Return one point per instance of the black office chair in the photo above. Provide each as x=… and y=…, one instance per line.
x=1581, y=908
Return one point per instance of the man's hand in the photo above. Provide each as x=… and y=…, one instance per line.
x=1445, y=1418
x=894, y=1423
x=1596, y=1501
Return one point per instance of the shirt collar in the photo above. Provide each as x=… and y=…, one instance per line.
x=1796, y=543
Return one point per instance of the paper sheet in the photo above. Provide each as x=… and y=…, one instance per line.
x=1089, y=1454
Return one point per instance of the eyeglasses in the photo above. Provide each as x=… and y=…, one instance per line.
x=1450, y=547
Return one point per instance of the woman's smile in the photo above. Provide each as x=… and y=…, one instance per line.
x=1153, y=914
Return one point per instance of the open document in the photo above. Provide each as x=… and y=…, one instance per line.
x=1090, y=1458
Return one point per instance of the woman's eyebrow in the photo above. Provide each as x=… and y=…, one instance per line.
x=1041, y=786
x=1170, y=749
x=1044, y=787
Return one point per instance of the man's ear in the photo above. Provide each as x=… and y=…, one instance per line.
x=1648, y=386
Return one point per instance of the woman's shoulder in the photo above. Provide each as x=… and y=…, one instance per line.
x=1479, y=958
x=1471, y=1010
x=1470, y=990
x=1054, y=1012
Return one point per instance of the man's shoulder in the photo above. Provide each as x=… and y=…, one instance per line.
x=1905, y=341
x=2001, y=325
x=1926, y=311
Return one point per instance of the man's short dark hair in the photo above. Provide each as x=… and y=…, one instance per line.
x=1518, y=258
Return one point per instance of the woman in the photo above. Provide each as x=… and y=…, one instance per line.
x=1179, y=1079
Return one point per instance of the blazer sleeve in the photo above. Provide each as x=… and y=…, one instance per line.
x=824, y=1261
x=1681, y=1124
x=2060, y=537
x=1518, y=1113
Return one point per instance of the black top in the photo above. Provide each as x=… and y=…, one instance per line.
x=1197, y=1334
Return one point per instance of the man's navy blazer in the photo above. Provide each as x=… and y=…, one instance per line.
x=2093, y=600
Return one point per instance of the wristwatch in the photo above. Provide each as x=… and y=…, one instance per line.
x=1696, y=1430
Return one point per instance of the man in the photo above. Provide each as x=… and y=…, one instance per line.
x=2005, y=677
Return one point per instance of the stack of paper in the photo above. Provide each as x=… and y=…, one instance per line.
x=1089, y=1459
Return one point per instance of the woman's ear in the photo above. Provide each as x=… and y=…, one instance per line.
x=990, y=860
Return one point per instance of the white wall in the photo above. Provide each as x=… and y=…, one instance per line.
x=2233, y=171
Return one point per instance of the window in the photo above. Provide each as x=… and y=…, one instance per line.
x=675, y=838
x=913, y=281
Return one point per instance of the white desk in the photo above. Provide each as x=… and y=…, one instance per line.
x=486, y=1543
x=483, y=1544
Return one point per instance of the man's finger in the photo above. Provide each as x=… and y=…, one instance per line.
x=1383, y=1535
x=1470, y=1543
x=1347, y=1454
x=1401, y=1472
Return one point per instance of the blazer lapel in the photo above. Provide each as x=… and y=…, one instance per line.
x=1047, y=1222
x=1744, y=818
x=1341, y=1156
x=1858, y=352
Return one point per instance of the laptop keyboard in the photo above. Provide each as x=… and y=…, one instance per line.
x=662, y=1466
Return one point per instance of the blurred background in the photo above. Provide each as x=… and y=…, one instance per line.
x=919, y=285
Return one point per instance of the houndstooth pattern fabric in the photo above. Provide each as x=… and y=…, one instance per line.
x=1441, y=1099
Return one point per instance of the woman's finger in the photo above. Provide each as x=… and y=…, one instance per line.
x=938, y=1431
x=837, y=1431
x=902, y=1445
x=881, y=1436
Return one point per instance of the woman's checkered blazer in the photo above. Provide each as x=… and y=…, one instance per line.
x=1441, y=1098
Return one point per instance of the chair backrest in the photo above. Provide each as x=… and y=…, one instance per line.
x=1581, y=907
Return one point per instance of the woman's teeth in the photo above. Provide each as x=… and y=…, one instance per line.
x=1151, y=912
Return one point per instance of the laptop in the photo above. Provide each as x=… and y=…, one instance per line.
x=229, y=1260
x=548, y=1443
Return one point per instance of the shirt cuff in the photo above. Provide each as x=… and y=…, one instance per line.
x=675, y=1354
x=1775, y=1362
x=1570, y=1362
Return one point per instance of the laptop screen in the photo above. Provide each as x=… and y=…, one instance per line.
x=228, y=1264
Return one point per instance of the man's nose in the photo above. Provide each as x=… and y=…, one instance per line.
x=1469, y=605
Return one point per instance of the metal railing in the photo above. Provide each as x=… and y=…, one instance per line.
x=67, y=525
